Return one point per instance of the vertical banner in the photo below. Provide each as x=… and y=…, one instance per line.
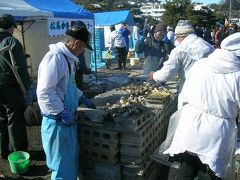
x=107, y=34
x=58, y=26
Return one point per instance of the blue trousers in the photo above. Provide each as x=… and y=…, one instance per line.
x=61, y=146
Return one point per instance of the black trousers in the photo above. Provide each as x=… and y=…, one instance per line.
x=191, y=167
x=121, y=56
x=13, y=133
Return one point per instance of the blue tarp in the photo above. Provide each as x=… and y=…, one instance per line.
x=113, y=17
x=62, y=8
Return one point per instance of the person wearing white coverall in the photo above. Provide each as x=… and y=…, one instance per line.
x=183, y=56
x=206, y=132
x=58, y=100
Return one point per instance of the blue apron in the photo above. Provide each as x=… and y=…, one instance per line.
x=60, y=142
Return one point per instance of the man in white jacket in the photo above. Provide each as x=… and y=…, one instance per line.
x=205, y=136
x=183, y=56
x=58, y=100
x=119, y=45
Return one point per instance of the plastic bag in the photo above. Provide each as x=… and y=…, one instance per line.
x=158, y=155
x=172, y=126
x=230, y=168
x=32, y=115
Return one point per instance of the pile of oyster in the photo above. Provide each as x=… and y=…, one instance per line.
x=133, y=104
x=157, y=94
x=125, y=107
x=139, y=89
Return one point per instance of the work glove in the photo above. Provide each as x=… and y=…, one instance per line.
x=66, y=117
x=150, y=75
x=141, y=38
x=33, y=89
x=28, y=98
x=87, y=102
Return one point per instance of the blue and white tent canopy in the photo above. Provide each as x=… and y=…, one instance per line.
x=55, y=11
x=44, y=8
x=62, y=8
x=21, y=9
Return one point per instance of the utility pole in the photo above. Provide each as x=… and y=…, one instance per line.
x=230, y=10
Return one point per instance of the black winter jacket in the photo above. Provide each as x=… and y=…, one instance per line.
x=155, y=52
x=7, y=78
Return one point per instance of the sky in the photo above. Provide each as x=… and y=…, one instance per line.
x=207, y=1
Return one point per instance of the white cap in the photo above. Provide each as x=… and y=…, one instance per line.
x=232, y=43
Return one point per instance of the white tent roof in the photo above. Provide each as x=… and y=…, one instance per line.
x=21, y=8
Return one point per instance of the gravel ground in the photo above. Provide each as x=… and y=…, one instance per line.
x=37, y=168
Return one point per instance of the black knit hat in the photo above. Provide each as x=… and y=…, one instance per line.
x=79, y=31
x=7, y=21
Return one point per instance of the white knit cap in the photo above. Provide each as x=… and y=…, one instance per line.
x=184, y=28
x=232, y=43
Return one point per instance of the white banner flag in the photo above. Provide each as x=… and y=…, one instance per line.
x=58, y=26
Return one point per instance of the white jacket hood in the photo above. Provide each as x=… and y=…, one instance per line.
x=195, y=47
x=232, y=43
x=53, y=78
x=223, y=61
x=61, y=48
